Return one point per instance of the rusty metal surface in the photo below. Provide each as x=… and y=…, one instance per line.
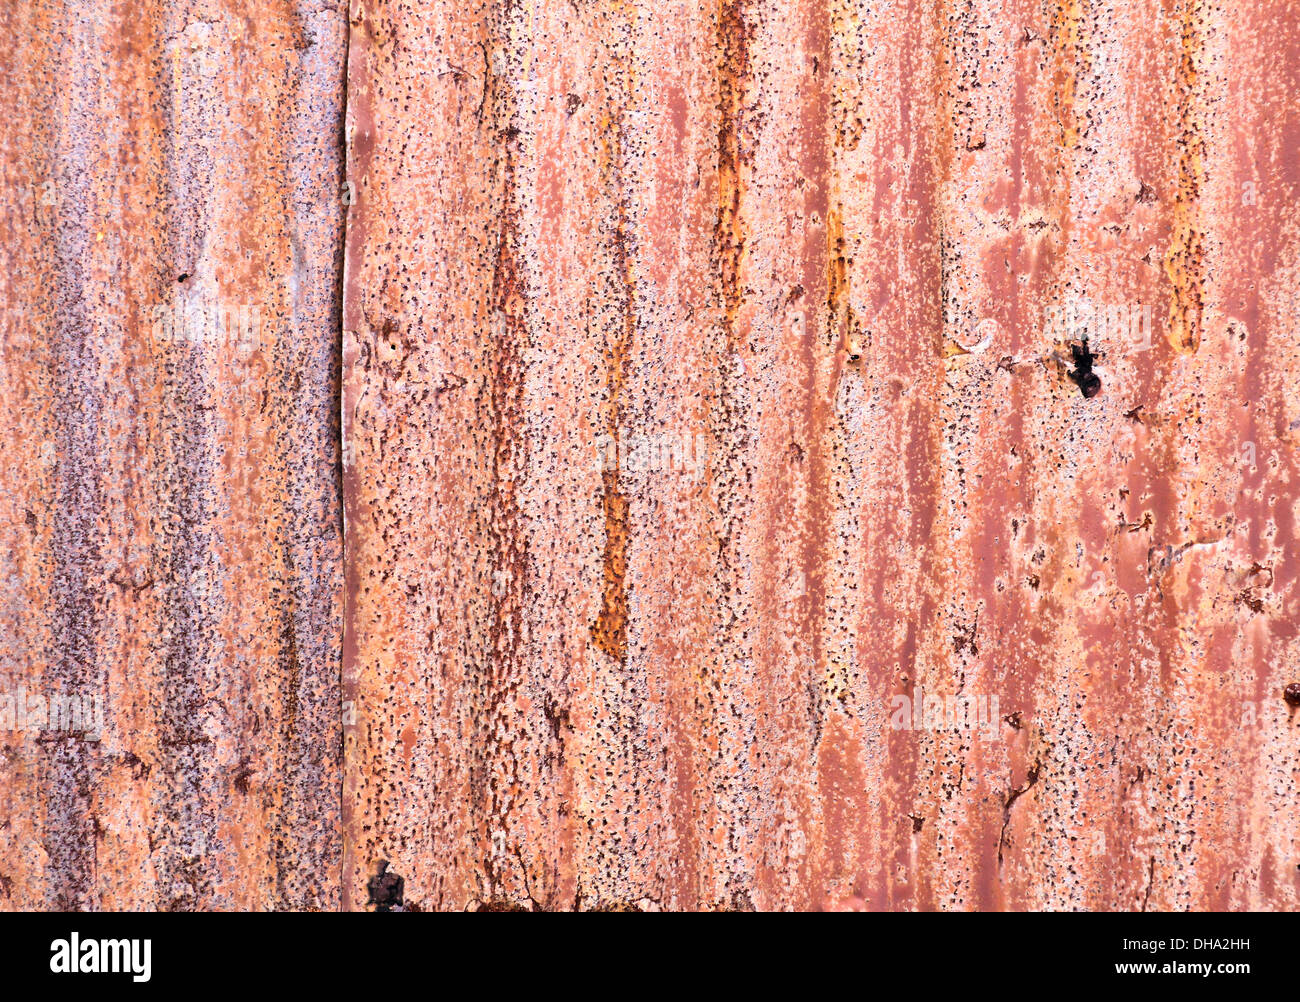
x=728, y=391
x=832, y=256
x=170, y=511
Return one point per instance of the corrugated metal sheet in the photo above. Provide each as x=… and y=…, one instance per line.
x=170, y=513
x=728, y=391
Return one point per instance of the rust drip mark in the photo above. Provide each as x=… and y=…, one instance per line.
x=1184, y=263
x=729, y=229
x=837, y=285
x=732, y=68
x=609, y=631
x=506, y=401
x=839, y=317
x=494, y=776
x=1072, y=64
x=1031, y=778
x=290, y=663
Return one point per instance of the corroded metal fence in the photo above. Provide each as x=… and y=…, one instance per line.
x=650, y=455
